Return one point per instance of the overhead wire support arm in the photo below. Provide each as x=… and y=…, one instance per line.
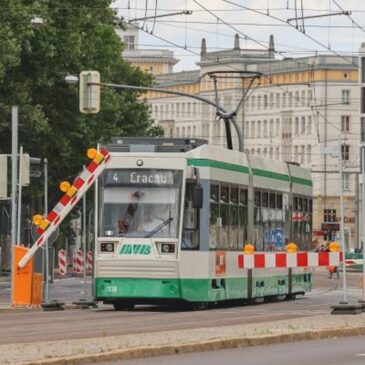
x=166, y=91
x=319, y=16
x=184, y=12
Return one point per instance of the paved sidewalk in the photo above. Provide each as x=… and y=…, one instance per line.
x=170, y=342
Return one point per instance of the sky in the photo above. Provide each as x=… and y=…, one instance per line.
x=219, y=20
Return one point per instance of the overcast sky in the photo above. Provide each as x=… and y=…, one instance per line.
x=339, y=33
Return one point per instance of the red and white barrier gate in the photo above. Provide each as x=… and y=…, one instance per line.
x=62, y=263
x=89, y=267
x=78, y=262
x=261, y=260
x=73, y=194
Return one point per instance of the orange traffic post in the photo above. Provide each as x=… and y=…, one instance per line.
x=27, y=286
x=22, y=279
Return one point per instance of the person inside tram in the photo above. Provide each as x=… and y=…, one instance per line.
x=123, y=226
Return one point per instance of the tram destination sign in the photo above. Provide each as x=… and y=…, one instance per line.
x=142, y=177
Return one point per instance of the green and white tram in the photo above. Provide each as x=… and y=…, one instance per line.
x=174, y=214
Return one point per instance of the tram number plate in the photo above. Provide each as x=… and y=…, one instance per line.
x=111, y=289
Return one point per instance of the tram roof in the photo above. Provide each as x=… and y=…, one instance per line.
x=150, y=144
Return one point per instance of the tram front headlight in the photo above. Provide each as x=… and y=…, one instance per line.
x=107, y=247
x=167, y=248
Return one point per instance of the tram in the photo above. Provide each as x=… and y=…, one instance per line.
x=175, y=214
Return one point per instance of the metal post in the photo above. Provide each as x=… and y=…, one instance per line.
x=340, y=156
x=45, y=163
x=14, y=168
x=19, y=196
x=362, y=154
x=84, y=238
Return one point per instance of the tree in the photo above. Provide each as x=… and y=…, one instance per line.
x=75, y=36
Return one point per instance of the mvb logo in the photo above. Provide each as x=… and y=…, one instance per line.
x=129, y=249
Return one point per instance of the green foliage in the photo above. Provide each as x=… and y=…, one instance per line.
x=76, y=35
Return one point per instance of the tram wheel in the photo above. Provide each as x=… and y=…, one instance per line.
x=291, y=297
x=123, y=306
x=199, y=306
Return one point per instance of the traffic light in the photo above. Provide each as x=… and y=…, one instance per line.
x=89, y=93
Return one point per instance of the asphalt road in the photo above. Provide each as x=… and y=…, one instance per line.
x=336, y=351
x=24, y=326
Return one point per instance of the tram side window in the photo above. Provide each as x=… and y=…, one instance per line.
x=214, y=215
x=279, y=201
x=265, y=199
x=224, y=214
x=272, y=201
x=258, y=228
x=242, y=237
x=233, y=218
x=191, y=234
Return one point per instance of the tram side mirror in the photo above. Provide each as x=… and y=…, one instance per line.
x=198, y=197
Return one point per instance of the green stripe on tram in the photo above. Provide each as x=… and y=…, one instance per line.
x=300, y=180
x=245, y=170
x=270, y=174
x=218, y=165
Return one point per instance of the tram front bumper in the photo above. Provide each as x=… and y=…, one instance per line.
x=112, y=288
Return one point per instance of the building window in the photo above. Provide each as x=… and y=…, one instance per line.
x=258, y=134
x=278, y=100
x=309, y=125
x=259, y=102
x=346, y=96
x=302, y=129
x=345, y=123
x=265, y=101
x=271, y=100
x=302, y=153
x=309, y=154
x=345, y=152
x=329, y=216
x=253, y=131
x=277, y=127
x=177, y=131
x=284, y=100
x=271, y=130
x=296, y=154
x=346, y=181
x=290, y=100
x=265, y=131
x=129, y=41
x=297, y=98
x=277, y=153
x=296, y=125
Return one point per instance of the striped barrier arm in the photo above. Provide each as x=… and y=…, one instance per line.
x=80, y=186
x=267, y=260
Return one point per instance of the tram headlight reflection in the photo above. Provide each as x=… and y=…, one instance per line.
x=167, y=248
x=107, y=247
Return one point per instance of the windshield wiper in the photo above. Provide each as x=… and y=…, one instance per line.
x=159, y=227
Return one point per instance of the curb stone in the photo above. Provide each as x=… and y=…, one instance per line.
x=211, y=345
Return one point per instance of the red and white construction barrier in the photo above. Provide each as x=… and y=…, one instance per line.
x=80, y=186
x=261, y=260
x=62, y=263
x=89, y=261
x=78, y=262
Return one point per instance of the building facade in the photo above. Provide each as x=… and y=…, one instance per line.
x=154, y=61
x=302, y=110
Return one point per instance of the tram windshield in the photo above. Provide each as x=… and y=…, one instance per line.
x=140, y=203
